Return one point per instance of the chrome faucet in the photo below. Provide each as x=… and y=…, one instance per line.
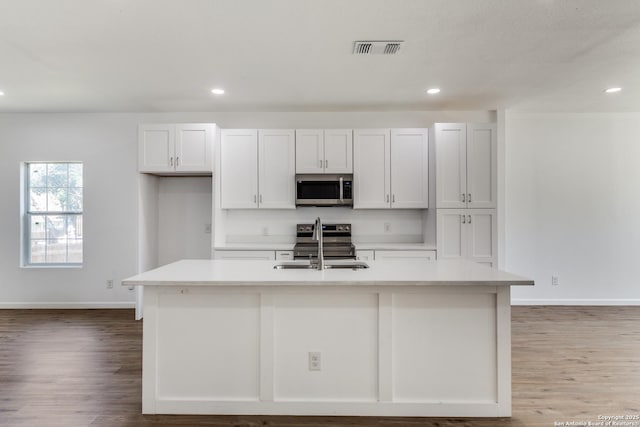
x=317, y=235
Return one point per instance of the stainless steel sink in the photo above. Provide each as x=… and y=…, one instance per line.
x=354, y=265
x=294, y=266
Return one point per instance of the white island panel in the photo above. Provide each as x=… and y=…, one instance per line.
x=343, y=328
x=451, y=355
x=208, y=346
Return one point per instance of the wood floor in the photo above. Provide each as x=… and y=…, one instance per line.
x=83, y=368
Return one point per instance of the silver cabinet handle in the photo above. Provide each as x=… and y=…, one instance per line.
x=320, y=164
x=469, y=197
x=261, y=198
x=469, y=219
x=326, y=164
x=463, y=198
x=464, y=221
x=393, y=198
x=387, y=198
x=255, y=198
x=171, y=160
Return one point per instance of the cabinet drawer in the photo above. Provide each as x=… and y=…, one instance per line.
x=366, y=255
x=426, y=255
x=255, y=255
x=284, y=255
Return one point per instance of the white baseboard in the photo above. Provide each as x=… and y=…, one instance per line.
x=67, y=305
x=517, y=301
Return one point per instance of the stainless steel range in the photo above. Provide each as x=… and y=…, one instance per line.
x=336, y=238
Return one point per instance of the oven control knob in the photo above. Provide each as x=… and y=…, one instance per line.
x=339, y=228
x=346, y=228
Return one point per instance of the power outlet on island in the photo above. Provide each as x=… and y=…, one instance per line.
x=555, y=280
x=110, y=284
x=315, y=361
x=387, y=227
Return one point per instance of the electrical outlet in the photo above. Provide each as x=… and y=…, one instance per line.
x=387, y=227
x=314, y=361
x=110, y=284
x=555, y=280
x=207, y=229
x=265, y=231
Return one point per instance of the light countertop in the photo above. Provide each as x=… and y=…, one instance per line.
x=397, y=272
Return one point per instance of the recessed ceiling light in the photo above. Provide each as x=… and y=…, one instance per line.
x=613, y=90
x=1, y=93
x=217, y=91
x=433, y=91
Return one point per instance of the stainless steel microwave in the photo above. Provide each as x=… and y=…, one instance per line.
x=324, y=190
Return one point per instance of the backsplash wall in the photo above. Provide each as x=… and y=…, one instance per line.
x=278, y=226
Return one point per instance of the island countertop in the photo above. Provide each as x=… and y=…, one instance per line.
x=397, y=272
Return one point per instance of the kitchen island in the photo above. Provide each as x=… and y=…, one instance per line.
x=401, y=338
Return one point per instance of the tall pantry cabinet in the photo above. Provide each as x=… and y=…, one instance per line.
x=466, y=180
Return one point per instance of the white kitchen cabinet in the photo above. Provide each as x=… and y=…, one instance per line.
x=466, y=173
x=467, y=233
x=252, y=255
x=324, y=151
x=257, y=169
x=405, y=254
x=176, y=148
x=391, y=168
x=239, y=169
x=276, y=169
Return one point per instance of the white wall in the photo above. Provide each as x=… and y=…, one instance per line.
x=107, y=144
x=572, y=206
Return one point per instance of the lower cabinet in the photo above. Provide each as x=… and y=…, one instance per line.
x=467, y=234
x=253, y=255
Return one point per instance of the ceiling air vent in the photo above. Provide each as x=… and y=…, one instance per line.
x=377, y=47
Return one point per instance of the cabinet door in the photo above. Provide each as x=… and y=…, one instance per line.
x=194, y=147
x=239, y=169
x=309, y=151
x=451, y=168
x=156, y=148
x=409, y=168
x=451, y=233
x=481, y=235
x=338, y=151
x=371, y=162
x=481, y=165
x=276, y=169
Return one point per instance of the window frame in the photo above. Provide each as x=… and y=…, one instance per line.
x=26, y=238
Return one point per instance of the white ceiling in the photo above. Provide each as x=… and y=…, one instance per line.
x=295, y=55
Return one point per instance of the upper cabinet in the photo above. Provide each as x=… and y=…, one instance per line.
x=324, y=151
x=257, y=169
x=466, y=173
x=176, y=148
x=391, y=168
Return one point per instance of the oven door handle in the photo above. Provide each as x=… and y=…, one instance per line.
x=341, y=191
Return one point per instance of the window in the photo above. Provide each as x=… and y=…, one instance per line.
x=53, y=214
